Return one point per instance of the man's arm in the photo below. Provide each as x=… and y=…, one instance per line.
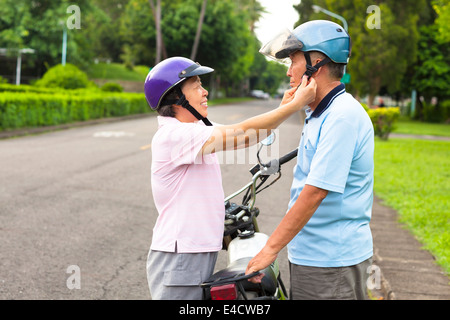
x=304, y=207
x=256, y=128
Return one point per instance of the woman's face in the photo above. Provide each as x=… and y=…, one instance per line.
x=196, y=95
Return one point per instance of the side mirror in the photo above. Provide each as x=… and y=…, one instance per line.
x=269, y=140
x=273, y=166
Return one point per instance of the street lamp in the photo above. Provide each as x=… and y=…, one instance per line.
x=64, y=47
x=4, y=51
x=317, y=9
x=19, y=63
x=64, y=43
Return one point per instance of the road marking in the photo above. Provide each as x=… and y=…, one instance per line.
x=148, y=146
x=112, y=134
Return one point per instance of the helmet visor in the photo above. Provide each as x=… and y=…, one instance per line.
x=195, y=70
x=280, y=47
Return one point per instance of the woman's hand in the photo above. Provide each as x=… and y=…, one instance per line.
x=302, y=95
x=288, y=96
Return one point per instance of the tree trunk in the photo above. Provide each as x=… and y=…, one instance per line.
x=158, y=31
x=160, y=47
x=375, y=84
x=199, y=30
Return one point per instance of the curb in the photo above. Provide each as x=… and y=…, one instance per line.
x=417, y=136
x=39, y=130
x=385, y=287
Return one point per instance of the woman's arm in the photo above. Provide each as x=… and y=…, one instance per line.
x=250, y=131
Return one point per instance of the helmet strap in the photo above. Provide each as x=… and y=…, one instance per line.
x=310, y=70
x=182, y=101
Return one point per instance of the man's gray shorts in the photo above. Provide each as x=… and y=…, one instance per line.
x=177, y=276
x=341, y=283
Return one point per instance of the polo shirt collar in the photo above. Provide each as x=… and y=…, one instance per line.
x=166, y=120
x=172, y=120
x=327, y=100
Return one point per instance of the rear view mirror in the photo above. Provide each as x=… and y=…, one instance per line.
x=269, y=140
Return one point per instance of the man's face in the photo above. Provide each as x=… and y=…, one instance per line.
x=297, y=68
x=196, y=95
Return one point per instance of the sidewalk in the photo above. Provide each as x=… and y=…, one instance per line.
x=408, y=272
x=417, y=136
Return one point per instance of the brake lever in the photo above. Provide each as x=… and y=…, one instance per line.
x=270, y=168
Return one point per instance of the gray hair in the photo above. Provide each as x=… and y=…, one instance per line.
x=167, y=110
x=336, y=69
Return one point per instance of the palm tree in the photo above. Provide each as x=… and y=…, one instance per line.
x=254, y=9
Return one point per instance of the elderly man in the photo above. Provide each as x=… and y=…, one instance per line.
x=326, y=227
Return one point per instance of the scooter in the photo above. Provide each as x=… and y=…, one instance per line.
x=243, y=240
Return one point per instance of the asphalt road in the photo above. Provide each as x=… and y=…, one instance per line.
x=76, y=209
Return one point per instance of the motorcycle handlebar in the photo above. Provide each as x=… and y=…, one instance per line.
x=286, y=158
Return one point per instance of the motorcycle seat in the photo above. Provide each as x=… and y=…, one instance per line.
x=268, y=282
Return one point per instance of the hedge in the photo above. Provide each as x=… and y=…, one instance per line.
x=6, y=87
x=30, y=109
x=383, y=120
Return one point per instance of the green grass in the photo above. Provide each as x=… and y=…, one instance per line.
x=116, y=71
x=421, y=128
x=413, y=177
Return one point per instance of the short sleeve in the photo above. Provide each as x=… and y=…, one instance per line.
x=186, y=142
x=333, y=157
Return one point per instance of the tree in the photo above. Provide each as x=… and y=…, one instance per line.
x=138, y=33
x=157, y=15
x=442, y=8
x=39, y=25
x=305, y=11
x=380, y=57
x=253, y=10
x=104, y=34
x=199, y=30
x=430, y=75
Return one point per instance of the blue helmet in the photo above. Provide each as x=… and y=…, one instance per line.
x=323, y=36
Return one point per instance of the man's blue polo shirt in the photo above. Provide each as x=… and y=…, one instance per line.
x=336, y=154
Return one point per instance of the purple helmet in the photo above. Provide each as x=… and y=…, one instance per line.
x=166, y=75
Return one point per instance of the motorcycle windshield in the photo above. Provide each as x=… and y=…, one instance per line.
x=280, y=47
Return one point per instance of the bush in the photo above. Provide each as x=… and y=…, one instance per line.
x=365, y=106
x=112, y=87
x=383, y=120
x=436, y=113
x=6, y=87
x=41, y=109
x=67, y=77
x=445, y=110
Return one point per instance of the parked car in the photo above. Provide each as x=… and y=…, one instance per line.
x=259, y=94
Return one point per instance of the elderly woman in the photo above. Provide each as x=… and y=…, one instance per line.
x=186, y=179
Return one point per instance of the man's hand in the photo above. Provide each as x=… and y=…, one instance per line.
x=261, y=261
